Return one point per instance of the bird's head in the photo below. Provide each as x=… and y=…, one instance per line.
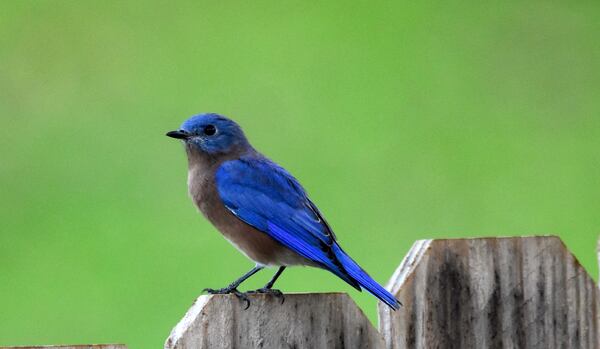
x=211, y=134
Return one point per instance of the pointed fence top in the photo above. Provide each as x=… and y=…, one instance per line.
x=523, y=292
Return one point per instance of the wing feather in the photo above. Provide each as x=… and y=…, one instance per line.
x=265, y=196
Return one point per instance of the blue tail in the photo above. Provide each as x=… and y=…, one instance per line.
x=365, y=281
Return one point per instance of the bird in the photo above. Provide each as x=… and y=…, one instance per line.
x=261, y=208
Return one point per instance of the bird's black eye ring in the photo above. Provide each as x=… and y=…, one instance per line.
x=209, y=130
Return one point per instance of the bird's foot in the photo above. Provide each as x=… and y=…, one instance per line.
x=230, y=290
x=224, y=290
x=274, y=292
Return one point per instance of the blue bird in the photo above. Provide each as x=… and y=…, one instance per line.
x=261, y=208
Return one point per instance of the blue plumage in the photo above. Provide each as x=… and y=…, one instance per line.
x=265, y=196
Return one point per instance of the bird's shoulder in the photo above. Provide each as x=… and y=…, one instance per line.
x=257, y=172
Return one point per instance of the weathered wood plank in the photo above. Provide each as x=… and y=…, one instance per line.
x=76, y=346
x=322, y=320
x=522, y=292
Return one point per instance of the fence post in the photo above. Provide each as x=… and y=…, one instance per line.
x=315, y=320
x=521, y=292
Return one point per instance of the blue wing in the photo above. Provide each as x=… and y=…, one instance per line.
x=267, y=197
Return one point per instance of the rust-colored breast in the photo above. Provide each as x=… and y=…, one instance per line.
x=255, y=244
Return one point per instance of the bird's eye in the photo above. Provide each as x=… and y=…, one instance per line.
x=209, y=130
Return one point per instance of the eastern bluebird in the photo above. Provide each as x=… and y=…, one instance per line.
x=261, y=208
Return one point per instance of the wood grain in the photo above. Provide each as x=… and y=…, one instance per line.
x=316, y=320
x=522, y=292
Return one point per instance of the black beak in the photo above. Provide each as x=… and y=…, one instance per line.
x=178, y=134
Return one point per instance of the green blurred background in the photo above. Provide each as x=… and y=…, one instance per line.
x=403, y=120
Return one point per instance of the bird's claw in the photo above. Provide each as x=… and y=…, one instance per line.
x=230, y=290
x=243, y=298
x=275, y=293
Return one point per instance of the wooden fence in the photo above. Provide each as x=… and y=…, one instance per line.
x=519, y=292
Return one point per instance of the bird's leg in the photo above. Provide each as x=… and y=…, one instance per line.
x=232, y=288
x=270, y=284
x=268, y=288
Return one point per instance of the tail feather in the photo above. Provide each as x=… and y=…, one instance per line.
x=365, y=281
